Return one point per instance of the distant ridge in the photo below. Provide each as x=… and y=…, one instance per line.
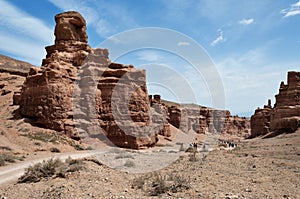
x=13, y=66
x=192, y=105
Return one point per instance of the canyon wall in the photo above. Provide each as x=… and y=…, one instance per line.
x=285, y=115
x=202, y=120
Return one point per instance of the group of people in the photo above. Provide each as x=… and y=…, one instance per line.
x=229, y=143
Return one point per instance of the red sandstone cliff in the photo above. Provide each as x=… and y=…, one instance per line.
x=202, y=120
x=285, y=115
x=78, y=87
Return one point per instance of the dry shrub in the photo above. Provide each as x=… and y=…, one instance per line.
x=54, y=150
x=6, y=157
x=156, y=184
x=51, y=168
x=193, y=157
x=2, y=162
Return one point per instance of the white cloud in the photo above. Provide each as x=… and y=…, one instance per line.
x=92, y=17
x=172, y=84
x=23, y=36
x=13, y=18
x=219, y=39
x=251, y=74
x=246, y=21
x=105, y=17
x=293, y=10
x=29, y=51
x=183, y=43
x=89, y=13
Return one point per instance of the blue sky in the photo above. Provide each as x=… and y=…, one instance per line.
x=252, y=43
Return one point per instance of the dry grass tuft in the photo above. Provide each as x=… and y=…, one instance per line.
x=155, y=184
x=6, y=157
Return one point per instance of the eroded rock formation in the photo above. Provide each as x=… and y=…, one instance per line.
x=285, y=115
x=159, y=116
x=260, y=121
x=286, y=112
x=78, y=86
x=202, y=120
x=79, y=91
x=46, y=95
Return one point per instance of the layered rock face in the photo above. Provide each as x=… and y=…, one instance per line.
x=46, y=96
x=159, y=116
x=286, y=112
x=124, y=108
x=260, y=121
x=203, y=120
x=78, y=87
x=285, y=115
x=235, y=125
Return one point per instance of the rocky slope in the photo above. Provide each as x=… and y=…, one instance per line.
x=13, y=66
x=285, y=115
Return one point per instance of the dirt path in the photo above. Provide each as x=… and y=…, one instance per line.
x=12, y=172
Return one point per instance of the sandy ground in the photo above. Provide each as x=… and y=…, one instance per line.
x=257, y=168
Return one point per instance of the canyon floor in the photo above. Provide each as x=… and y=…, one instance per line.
x=257, y=168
